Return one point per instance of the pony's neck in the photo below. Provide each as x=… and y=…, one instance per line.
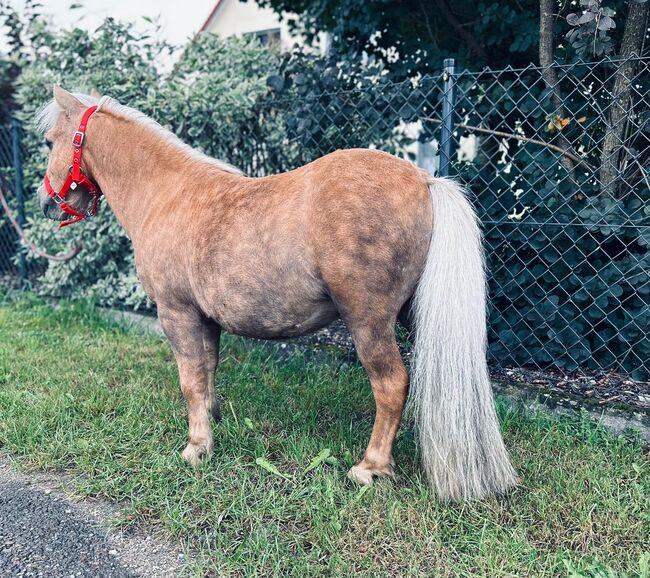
x=138, y=168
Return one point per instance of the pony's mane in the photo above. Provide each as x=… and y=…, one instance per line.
x=49, y=114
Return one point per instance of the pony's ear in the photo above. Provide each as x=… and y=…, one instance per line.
x=94, y=93
x=66, y=100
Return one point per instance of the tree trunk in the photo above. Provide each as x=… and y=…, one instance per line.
x=546, y=52
x=613, y=143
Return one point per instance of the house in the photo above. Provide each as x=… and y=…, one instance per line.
x=236, y=18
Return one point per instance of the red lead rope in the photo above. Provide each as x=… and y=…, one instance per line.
x=76, y=178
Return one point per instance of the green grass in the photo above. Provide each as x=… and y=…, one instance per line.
x=84, y=395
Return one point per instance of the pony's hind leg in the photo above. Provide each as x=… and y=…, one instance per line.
x=377, y=348
x=195, y=344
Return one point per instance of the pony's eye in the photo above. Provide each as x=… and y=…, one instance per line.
x=49, y=144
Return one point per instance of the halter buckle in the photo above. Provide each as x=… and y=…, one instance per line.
x=77, y=138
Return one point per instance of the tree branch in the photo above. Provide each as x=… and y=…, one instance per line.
x=464, y=35
x=546, y=57
x=518, y=137
x=425, y=14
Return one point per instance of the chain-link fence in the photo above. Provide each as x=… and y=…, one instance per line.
x=13, y=265
x=558, y=164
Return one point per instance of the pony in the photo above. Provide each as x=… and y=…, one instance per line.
x=357, y=234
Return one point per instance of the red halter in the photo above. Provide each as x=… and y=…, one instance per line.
x=76, y=178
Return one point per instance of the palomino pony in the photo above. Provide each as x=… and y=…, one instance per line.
x=357, y=234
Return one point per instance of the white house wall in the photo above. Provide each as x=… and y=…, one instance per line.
x=234, y=18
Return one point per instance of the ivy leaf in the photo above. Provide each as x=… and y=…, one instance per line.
x=606, y=23
x=616, y=290
x=275, y=83
x=300, y=79
x=556, y=122
x=572, y=19
x=587, y=17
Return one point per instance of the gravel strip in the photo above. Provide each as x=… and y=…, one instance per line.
x=45, y=533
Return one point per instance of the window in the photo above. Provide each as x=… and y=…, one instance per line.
x=267, y=37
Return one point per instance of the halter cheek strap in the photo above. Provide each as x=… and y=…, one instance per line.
x=76, y=178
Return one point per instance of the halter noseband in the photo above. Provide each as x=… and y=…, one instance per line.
x=76, y=178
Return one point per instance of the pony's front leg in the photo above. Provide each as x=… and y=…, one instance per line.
x=195, y=343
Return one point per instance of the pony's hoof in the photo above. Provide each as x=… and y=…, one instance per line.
x=193, y=454
x=365, y=476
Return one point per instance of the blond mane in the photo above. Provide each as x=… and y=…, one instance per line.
x=49, y=114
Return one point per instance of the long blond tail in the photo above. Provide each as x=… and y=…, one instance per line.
x=451, y=396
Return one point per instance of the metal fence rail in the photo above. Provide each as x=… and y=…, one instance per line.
x=558, y=164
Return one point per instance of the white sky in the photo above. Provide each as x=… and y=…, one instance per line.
x=180, y=19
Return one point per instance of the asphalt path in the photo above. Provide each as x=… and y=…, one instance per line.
x=45, y=533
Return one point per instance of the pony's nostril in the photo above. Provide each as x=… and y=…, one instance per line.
x=47, y=208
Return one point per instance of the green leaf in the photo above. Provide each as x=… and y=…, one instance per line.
x=616, y=290
x=269, y=467
x=275, y=83
x=644, y=565
x=318, y=460
x=358, y=496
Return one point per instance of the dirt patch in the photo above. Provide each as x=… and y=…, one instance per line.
x=599, y=388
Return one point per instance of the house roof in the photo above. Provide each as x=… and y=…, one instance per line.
x=217, y=5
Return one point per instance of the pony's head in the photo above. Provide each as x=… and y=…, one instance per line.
x=59, y=121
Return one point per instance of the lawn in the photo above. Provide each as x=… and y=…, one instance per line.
x=83, y=394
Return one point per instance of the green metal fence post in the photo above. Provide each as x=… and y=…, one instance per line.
x=18, y=191
x=447, y=126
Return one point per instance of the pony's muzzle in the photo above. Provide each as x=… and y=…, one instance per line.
x=48, y=206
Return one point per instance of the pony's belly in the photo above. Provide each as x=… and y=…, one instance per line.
x=277, y=323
